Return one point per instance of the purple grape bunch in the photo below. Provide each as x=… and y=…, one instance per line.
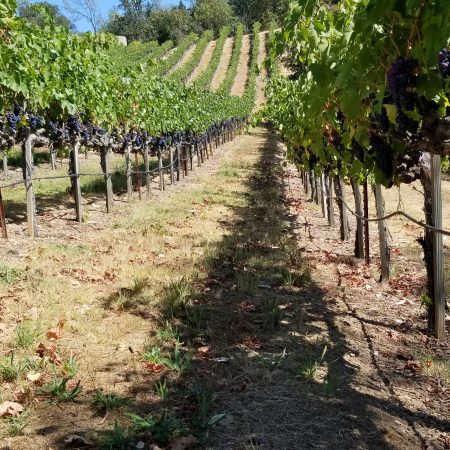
x=12, y=119
x=444, y=62
x=384, y=155
x=402, y=79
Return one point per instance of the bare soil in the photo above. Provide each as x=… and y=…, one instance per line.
x=240, y=82
x=184, y=59
x=290, y=337
x=222, y=68
x=204, y=61
x=262, y=77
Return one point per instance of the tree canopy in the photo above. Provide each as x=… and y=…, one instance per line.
x=35, y=12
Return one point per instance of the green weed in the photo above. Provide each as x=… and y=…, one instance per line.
x=176, y=295
x=162, y=429
x=245, y=283
x=107, y=402
x=176, y=360
x=309, y=366
x=59, y=390
x=271, y=315
x=162, y=389
x=9, y=275
x=18, y=424
x=168, y=333
x=26, y=335
x=70, y=366
x=118, y=438
x=9, y=369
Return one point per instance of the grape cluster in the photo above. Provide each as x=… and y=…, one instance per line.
x=35, y=122
x=358, y=150
x=444, y=62
x=402, y=79
x=74, y=125
x=384, y=155
x=13, y=119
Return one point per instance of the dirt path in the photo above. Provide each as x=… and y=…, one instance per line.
x=204, y=61
x=261, y=80
x=223, y=299
x=240, y=81
x=224, y=62
x=184, y=59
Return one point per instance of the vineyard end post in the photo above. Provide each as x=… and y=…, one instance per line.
x=438, y=249
x=384, y=248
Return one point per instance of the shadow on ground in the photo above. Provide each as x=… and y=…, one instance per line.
x=267, y=350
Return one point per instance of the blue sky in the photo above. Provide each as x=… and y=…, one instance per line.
x=106, y=6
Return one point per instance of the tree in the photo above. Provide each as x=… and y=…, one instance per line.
x=264, y=11
x=87, y=10
x=213, y=14
x=169, y=25
x=33, y=13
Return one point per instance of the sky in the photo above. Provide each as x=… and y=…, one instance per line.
x=106, y=6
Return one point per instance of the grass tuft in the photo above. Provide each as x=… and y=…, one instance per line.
x=176, y=295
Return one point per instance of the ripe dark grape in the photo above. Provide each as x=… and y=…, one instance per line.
x=402, y=79
x=74, y=125
x=18, y=110
x=54, y=130
x=358, y=150
x=35, y=122
x=384, y=155
x=444, y=62
x=381, y=120
x=12, y=120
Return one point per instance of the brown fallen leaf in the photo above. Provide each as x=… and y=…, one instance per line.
x=183, y=443
x=54, y=335
x=156, y=368
x=204, y=350
x=10, y=409
x=413, y=366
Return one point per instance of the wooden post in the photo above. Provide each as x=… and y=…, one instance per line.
x=312, y=184
x=438, y=249
x=161, y=171
x=306, y=185
x=128, y=170
x=317, y=191
x=191, y=156
x=323, y=199
x=343, y=211
x=206, y=148
x=2, y=217
x=178, y=162
x=359, y=243
x=52, y=157
x=366, y=223
x=172, y=170
x=5, y=165
x=330, y=202
x=198, y=148
x=27, y=152
x=106, y=152
x=148, y=176
x=186, y=159
x=138, y=174
x=76, y=185
x=384, y=248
